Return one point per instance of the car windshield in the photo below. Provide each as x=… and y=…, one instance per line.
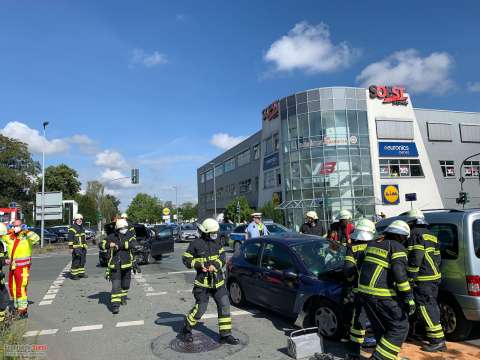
x=141, y=231
x=188, y=227
x=321, y=256
x=276, y=228
x=226, y=227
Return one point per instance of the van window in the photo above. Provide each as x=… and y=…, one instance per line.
x=447, y=235
x=476, y=236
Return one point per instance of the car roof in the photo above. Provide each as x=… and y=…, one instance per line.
x=291, y=239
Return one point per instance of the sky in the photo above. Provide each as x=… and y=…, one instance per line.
x=166, y=86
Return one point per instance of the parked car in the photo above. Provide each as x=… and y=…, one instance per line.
x=174, y=227
x=61, y=231
x=298, y=276
x=150, y=245
x=188, y=232
x=91, y=234
x=224, y=233
x=458, y=232
x=237, y=236
x=48, y=236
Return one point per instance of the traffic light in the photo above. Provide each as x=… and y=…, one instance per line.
x=135, y=176
x=462, y=198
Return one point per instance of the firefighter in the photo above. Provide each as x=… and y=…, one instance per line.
x=207, y=256
x=4, y=298
x=125, y=217
x=424, y=273
x=77, y=241
x=19, y=243
x=119, y=268
x=384, y=290
x=364, y=233
x=345, y=226
x=311, y=225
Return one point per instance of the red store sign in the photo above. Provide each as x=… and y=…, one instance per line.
x=390, y=95
x=270, y=112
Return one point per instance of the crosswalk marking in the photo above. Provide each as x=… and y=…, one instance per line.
x=130, y=323
x=40, y=332
x=156, y=293
x=45, y=302
x=86, y=328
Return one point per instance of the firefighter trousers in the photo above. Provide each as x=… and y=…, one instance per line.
x=358, y=327
x=79, y=258
x=426, y=294
x=17, y=283
x=389, y=320
x=120, y=285
x=3, y=301
x=202, y=296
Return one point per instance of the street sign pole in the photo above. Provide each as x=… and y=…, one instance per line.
x=42, y=224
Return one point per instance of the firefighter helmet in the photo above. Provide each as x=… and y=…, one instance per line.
x=312, y=215
x=121, y=224
x=398, y=227
x=344, y=215
x=209, y=226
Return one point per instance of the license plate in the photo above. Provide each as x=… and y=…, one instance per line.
x=191, y=237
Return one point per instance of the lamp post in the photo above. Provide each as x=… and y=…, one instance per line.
x=214, y=190
x=176, y=200
x=42, y=224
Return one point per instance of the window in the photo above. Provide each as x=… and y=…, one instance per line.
x=471, y=168
x=476, y=236
x=276, y=142
x=243, y=158
x=230, y=190
x=392, y=168
x=218, y=170
x=447, y=235
x=229, y=165
x=240, y=229
x=245, y=186
x=470, y=133
x=250, y=253
x=256, y=152
x=209, y=175
x=276, y=258
x=448, y=168
x=269, y=179
x=268, y=146
x=439, y=131
x=394, y=129
x=202, y=178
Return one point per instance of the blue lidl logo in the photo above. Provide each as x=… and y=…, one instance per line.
x=390, y=195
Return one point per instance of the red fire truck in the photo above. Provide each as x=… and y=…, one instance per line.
x=8, y=215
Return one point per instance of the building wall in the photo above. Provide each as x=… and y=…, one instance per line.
x=454, y=150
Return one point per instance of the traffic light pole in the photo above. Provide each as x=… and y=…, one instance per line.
x=463, y=195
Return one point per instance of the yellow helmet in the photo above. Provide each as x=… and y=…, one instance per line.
x=399, y=227
x=209, y=226
x=121, y=224
x=312, y=214
x=364, y=230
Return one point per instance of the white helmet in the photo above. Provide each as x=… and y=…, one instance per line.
x=77, y=216
x=121, y=224
x=399, y=227
x=364, y=230
x=344, y=215
x=124, y=216
x=312, y=214
x=417, y=215
x=209, y=226
x=3, y=229
x=257, y=214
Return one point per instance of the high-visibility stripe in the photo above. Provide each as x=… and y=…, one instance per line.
x=374, y=260
x=389, y=345
x=399, y=255
x=375, y=276
x=405, y=286
x=375, y=291
x=424, y=312
x=429, y=277
x=357, y=332
x=428, y=237
x=224, y=320
x=413, y=269
x=358, y=340
x=350, y=258
x=187, y=254
x=416, y=247
x=377, y=251
x=360, y=247
x=225, y=327
x=385, y=353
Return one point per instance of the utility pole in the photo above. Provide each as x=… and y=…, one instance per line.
x=42, y=224
x=176, y=201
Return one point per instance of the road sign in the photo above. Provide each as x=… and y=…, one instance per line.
x=411, y=197
x=12, y=205
x=166, y=211
x=53, y=206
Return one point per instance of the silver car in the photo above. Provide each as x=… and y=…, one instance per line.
x=188, y=232
x=458, y=232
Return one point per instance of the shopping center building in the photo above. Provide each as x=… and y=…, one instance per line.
x=365, y=150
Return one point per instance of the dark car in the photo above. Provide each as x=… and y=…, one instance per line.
x=224, y=232
x=298, y=276
x=48, y=236
x=150, y=245
x=60, y=231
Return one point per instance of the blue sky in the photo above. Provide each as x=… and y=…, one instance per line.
x=149, y=83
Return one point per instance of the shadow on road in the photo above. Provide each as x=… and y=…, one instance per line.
x=103, y=297
x=178, y=325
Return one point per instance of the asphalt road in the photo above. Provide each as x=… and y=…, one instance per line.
x=73, y=318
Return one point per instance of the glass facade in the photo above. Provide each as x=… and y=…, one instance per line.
x=327, y=164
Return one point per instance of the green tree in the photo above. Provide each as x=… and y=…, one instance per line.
x=145, y=208
x=87, y=207
x=62, y=178
x=109, y=207
x=189, y=211
x=269, y=212
x=245, y=210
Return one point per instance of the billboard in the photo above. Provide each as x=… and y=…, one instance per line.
x=395, y=149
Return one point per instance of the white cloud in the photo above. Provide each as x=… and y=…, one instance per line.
x=408, y=68
x=225, y=141
x=474, y=87
x=110, y=159
x=140, y=57
x=309, y=48
x=108, y=175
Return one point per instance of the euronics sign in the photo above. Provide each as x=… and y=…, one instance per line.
x=394, y=149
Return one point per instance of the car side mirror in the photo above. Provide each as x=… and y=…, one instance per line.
x=290, y=275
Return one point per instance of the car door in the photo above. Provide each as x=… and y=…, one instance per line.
x=238, y=234
x=276, y=289
x=249, y=272
x=163, y=242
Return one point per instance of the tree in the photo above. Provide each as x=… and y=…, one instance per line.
x=109, y=207
x=62, y=178
x=245, y=210
x=87, y=207
x=269, y=212
x=188, y=211
x=145, y=208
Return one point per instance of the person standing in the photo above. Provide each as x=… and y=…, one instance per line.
x=384, y=290
x=77, y=241
x=311, y=225
x=119, y=268
x=19, y=242
x=345, y=226
x=256, y=228
x=4, y=298
x=207, y=256
x=424, y=272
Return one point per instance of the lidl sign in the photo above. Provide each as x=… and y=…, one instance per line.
x=390, y=195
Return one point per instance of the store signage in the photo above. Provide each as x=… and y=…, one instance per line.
x=411, y=197
x=328, y=141
x=271, y=112
x=325, y=168
x=390, y=95
x=394, y=149
x=271, y=161
x=166, y=211
x=390, y=195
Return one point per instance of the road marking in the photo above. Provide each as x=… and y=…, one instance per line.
x=55, y=287
x=45, y=302
x=52, y=291
x=180, y=272
x=40, y=332
x=49, y=297
x=149, y=289
x=156, y=293
x=130, y=323
x=31, y=333
x=87, y=328
x=204, y=317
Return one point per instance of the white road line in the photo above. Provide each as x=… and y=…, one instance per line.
x=52, y=291
x=55, y=287
x=49, y=297
x=180, y=272
x=45, y=302
x=31, y=333
x=149, y=289
x=141, y=280
x=48, y=332
x=130, y=323
x=87, y=328
x=156, y=293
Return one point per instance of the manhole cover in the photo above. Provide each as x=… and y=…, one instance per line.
x=201, y=343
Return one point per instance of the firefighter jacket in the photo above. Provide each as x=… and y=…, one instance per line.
x=206, y=252
x=120, y=257
x=312, y=229
x=77, y=237
x=383, y=271
x=355, y=254
x=423, y=256
x=3, y=257
x=19, y=247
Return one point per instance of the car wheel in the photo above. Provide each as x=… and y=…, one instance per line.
x=151, y=259
x=454, y=323
x=157, y=258
x=236, y=293
x=236, y=247
x=327, y=317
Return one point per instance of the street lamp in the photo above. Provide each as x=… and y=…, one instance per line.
x=176, y=200
x=42, y=226
x=214, y=190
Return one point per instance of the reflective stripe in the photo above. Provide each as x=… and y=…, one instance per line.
x=357, y=332
x=222, y=250
x=360, y=247
x=375, y=291
x=428, y=237
x=377, y=251
x=371, y=259
x=413, y=269
x=424, y=312
x=399, y=255
x=405, y=286
x=416, y=247
x=350, y=258
x=385, y=353
x=431, y=263
x=389, y=345
x=187, y=254
x=375, y=276
x=358, y=340
x=429, y=277
x=219, y=262
x=224, y=320
x=225, y=327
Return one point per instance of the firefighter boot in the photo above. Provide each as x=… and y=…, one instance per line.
x=124, y=300
x=229, y=339
x=435, y=347
x=186, y=335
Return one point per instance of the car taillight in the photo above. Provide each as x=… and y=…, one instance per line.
x=473, y=285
